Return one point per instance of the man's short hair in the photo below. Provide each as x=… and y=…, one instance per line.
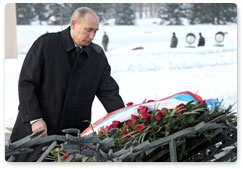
x=80, y=13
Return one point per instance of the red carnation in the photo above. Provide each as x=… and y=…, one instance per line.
x=128, y=122
x=159, y=115
x=146, y=116
x=115, y=123
x=124, y=133
x=149, y=101
x=165, y=110
x=201, y=102
x=129, y=104
x=134, y=117
x=180, y=108
x=139, y=128
x=65, y=157
x=108, y=127
x=142, y=109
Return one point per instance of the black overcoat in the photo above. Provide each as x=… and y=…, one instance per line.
x=59, y=91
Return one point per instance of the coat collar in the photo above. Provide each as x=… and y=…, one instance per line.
x=68, y=43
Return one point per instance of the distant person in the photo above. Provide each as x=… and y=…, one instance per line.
x=201, y=41
x=105, y=41
x=174, y=41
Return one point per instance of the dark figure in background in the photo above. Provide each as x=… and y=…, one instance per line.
x=57, y=84
x=174, y=41
x=105, y=41
x=201, y=41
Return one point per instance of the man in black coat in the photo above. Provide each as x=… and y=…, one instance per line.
x=174, y=41
x=201, y=41
x=105, y=41
x=57, y=85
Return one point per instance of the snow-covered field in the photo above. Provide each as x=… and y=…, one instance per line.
x=155, y=72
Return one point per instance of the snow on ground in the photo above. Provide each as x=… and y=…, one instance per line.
x=155, y=72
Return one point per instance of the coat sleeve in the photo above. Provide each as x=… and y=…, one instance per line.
x=108, y=92
x=29, y=83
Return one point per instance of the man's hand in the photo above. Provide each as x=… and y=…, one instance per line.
x=38, y=126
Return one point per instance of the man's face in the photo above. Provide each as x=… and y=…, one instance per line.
x=84, y=32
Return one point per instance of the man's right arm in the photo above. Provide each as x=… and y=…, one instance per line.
x=29, y=82
x=38, y=125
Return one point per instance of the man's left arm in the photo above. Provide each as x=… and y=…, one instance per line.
x=108, y=92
